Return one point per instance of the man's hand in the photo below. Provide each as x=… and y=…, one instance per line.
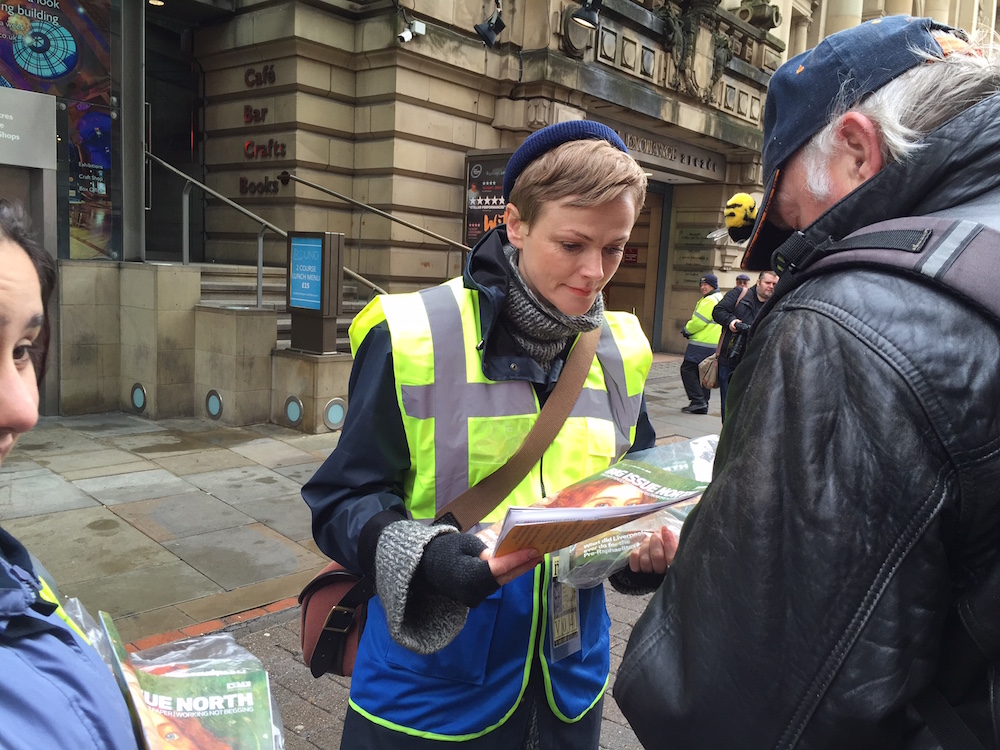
x=655, y=553
x=732, y=324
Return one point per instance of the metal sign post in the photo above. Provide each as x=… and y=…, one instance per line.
x=314, y=289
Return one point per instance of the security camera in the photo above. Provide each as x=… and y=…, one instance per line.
x=412, y=29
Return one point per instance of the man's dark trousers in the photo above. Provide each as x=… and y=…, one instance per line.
x=725, y=372
x=697, y=395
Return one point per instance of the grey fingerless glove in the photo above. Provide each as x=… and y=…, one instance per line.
x=451, y=566
x=419, y=617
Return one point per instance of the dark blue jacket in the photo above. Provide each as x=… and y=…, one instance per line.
x=55, y=691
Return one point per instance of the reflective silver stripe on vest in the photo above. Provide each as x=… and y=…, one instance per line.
x=451, y=400
x=624, y=408
x=950, y=246
x=702, y=317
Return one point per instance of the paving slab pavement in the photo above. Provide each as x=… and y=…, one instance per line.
x=184, y=526
x=165, y=524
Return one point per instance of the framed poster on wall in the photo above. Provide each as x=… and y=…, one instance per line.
x=484, y=192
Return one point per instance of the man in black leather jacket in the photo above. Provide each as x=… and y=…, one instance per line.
x=849, y=540
x=736, y=313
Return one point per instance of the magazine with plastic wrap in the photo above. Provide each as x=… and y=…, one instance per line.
x=206, y=692
x=596, y=522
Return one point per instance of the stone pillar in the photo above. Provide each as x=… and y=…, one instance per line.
x=939, y=10
x=233, y=359
x=968, y=12
x=898, y=7
x=843, y=14
x=158, y=336
x=800, y=36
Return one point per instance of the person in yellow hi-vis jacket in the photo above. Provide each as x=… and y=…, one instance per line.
x=55, y=691
x=446, y=384
x=703, y=335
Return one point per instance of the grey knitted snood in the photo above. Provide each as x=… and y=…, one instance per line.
x=541, y=329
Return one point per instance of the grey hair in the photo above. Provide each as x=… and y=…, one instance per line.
x=910, y=106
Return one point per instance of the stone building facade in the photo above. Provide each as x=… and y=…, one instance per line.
x=398, y=105
x=327, y=90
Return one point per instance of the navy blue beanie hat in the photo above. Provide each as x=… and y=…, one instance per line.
x=544, y=140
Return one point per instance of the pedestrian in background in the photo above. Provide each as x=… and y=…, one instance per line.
x=703, y=335
x=736, y=313
x=55, y=691
x=838, y=584
x=456, y=647
x=742, y=280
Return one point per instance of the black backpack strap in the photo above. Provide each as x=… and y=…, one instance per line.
x=944, y=722
x=798, y=253
x=961, y=255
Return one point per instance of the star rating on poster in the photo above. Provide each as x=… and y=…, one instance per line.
x=489, y=202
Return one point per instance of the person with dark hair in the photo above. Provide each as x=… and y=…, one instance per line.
x=736, y=313
x=446, y=384
x=838, y=585
x=55, y=691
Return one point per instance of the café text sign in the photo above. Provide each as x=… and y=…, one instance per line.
x=257, y=77
x=305, y=273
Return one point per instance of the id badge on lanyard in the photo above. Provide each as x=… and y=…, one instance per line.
x=564, y=617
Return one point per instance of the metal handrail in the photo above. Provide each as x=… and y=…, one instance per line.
x=285, y=176
x=265, y=224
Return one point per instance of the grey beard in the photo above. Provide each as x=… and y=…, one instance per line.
x=542, y=330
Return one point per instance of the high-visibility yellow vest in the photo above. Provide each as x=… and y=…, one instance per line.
x=433, y=334
x=701, y=327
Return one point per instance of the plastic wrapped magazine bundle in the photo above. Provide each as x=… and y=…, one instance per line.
x=75, y=610
x=206, y=692
x=590, y=562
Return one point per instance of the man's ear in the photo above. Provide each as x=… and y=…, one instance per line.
x=862, y=147
x=517, y=230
